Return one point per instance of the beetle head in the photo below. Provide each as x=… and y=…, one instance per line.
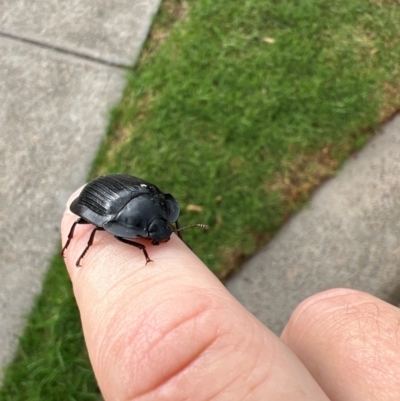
x=159, y=230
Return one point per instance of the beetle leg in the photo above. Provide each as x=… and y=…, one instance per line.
x=137, y=245
x=89, y=244
x=178, y=232
x=71, y=233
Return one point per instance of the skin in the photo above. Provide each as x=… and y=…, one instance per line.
x=169, y=330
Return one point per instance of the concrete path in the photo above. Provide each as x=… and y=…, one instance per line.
x=348, y=236
x=61, y=69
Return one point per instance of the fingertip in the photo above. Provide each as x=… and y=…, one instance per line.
x=347, y=339
x=309, y=312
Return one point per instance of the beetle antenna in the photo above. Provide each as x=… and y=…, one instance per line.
x=203, y=226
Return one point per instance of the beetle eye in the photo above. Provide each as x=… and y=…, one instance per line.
x=159, y=230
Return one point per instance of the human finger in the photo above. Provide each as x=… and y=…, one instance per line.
x=169, y=330
x=349, y=341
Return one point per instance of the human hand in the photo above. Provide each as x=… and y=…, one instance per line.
x=169, y=330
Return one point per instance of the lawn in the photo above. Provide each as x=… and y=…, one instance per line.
x=239, y=109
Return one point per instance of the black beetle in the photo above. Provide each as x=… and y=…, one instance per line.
x=126, y=207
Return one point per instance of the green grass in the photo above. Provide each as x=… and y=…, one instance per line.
x=51, y=362
x=242, y=108
x=246, y=128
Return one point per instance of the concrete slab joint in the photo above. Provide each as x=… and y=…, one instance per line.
x=111, y=31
